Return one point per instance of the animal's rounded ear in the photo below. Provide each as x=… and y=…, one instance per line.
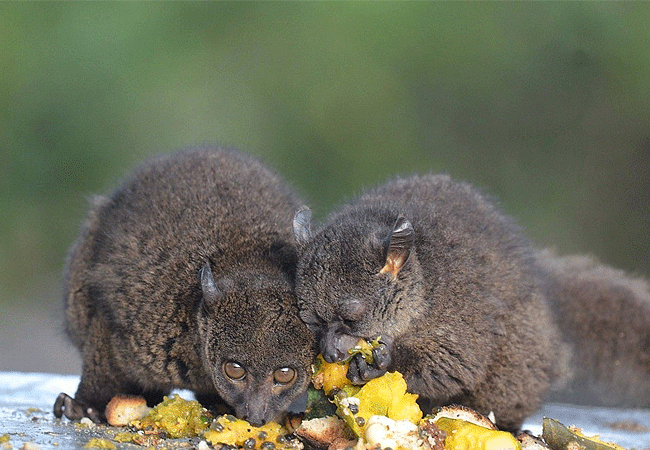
x=302, y=226
x=399, y=246
x=211, y=292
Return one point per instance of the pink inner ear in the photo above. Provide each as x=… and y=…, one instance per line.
x=393, y=265
x=399, y=247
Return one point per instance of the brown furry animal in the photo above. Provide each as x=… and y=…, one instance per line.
x=463, y=305
x=183, y=278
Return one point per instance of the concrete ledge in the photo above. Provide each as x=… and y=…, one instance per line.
x=26, y=401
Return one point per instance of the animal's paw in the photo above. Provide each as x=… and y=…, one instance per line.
x=381, y=353
x=361, y=371
x=74, y=410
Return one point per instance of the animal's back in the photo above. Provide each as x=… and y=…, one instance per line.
x=461, y=236
x=604, y=314
x=472, y=251
x=585, y=326
x=137, y=260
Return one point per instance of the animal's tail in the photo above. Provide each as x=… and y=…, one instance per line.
x=604, y=314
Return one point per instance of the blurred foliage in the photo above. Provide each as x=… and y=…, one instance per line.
x=545, y=105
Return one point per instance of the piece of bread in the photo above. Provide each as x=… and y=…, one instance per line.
x=530, y=442
x=122, y=409
x=321, y=432
x=462, y=413
x=383, y=432
x=433, y=435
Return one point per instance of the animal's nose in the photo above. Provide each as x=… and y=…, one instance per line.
x=254, y=412
x=255, y=421
x=333, y=355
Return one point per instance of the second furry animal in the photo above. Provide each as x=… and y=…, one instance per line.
x=183, y=278
x=462, y=303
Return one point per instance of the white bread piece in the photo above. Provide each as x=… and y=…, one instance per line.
x=322, y=431
x=462, y=413
x=123, y=409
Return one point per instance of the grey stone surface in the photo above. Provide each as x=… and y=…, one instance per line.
x=26, y=401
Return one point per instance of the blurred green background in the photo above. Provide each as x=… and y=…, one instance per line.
x=544, y=105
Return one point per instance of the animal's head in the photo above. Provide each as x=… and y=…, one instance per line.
x=255, y=347
x=352, y=278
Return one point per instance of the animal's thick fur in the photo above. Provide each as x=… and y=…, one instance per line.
x=137, y=308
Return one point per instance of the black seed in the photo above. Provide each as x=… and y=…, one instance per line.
x=360, y=421
x=230, y=418
x=267, y=445
x=281, y=439
x=262, y=435
x=216, y=426
x=354, y=408
x=249, y=443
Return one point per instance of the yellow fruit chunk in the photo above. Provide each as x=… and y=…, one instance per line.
x=328, y=376
x=463, y=435
x=237, y=432
x=100, y=443
x=177, y=417
x=383, y=396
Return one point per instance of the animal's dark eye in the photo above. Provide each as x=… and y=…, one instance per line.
x=313, y=322
x=284, y=375
x=234, y=370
